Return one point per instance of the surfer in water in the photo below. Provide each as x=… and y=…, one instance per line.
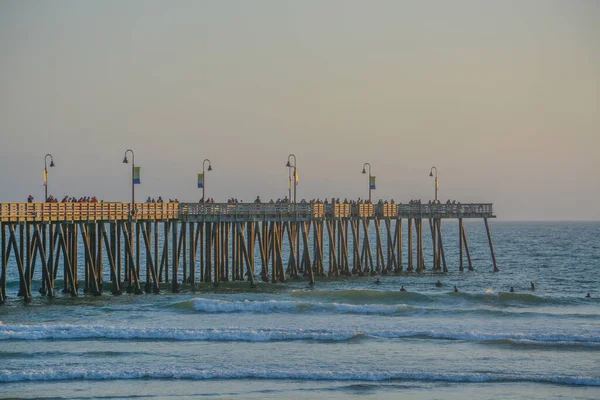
x=588, y=296
x=438, y=284
x=455, y=289
x=378, y=282
x=404, y=290
x=532, y=286
x=512, y=289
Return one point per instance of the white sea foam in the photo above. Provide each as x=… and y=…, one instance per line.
x=221, y=306
x=58, y=374
x=66, y=332
x=214, y=306
x=234, y=334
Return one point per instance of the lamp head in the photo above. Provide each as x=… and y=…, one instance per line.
x=364, y=171
x=209, y=167
x=431, y=173
x=288, y=164
x=125, y=161
x=51, y=163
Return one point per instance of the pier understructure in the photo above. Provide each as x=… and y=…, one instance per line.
x=147, y=245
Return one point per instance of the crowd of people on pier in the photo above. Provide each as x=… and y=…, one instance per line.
x=285, y=200
x=160, y=200
x=333, y=200
x=68, y=199
x=94, y=199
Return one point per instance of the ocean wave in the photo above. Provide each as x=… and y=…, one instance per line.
x=364, y=295
x=215, y=306
x=165, y=373
x=389, y=296
x=269, y=306
x=79, y=332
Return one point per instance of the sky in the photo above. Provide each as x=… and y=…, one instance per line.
x=503, y=97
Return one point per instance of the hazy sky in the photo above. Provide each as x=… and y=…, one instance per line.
x=503, y=97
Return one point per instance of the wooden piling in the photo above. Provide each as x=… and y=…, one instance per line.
x=441, y=245
x=418, y=226
x=410, y=245
x=3, y=264
x=398, y=239
x=356, y=258
x=464, y=236
x=460, y=244
x=489, y=235
x=380, y=263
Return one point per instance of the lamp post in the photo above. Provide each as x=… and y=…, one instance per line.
x=204, y=176
x=125, y=161
x=364, y=171
x=292, y=166
x=46, y=174
x=436, y=181
x=289, y=184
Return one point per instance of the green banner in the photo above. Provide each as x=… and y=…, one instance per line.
x=136, y=175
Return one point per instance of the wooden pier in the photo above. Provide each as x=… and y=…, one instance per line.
x=214, y=243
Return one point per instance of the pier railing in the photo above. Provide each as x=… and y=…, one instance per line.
x=110, y=211
x=105, y=211
x=308, y=211
x=446, y=210
x=251, y=211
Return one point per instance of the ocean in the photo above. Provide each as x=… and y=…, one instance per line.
x=345, y=338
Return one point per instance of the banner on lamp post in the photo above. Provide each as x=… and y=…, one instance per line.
x=136, y=176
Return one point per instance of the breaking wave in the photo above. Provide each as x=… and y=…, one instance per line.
x=79, y=332
x=166, y=373
x=269, y=306
x=391, y=296
x=345, y=305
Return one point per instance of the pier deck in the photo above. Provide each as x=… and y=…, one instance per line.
x=223, y=212
x=216, y=242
